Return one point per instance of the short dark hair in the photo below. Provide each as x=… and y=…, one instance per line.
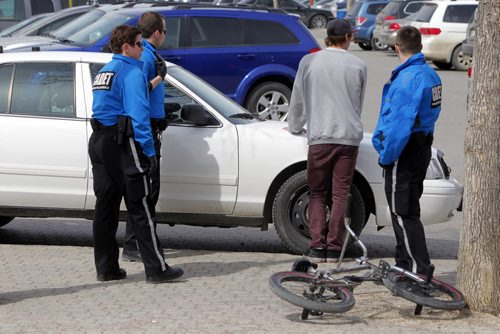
x=336, y=40
x=149, y=23
x=121, y=35
x=409, y=40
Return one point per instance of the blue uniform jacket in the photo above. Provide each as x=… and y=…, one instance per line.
x=157, y=95
x=411, y=102
x=120, y=88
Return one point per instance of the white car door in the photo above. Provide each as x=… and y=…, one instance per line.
x=43, y=150
x=199, y=166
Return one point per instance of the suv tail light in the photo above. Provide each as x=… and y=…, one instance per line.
x=314, y=50
x=394, y=26
x=430, y=31
x=389, y=17
x=360, y=20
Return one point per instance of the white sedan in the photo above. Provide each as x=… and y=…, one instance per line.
x=220, y=166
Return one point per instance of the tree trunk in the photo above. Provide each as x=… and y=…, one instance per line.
x=349, y=5
x=479, y=252
x=276, y=3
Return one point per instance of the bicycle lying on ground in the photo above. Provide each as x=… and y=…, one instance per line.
x=319, y=291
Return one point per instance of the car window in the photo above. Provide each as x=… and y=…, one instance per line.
x=20, y=26
x=287, y=4
x=44, y=90
x=56, y=24
x=78, y=23
x=459, y=14
x=90, y=34
x=41, y=6
x=5, y=80
x=175, y=95
x=268, y=32
x=215, y=32
x=413, y=7
x=172, y=36
x=424, y=14
x=375, y=9
x=9, y=10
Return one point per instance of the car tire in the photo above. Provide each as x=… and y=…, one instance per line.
x=365, y=46
x=289, y=212
x=4, y=220
x=318, y=22
x=270, y=100
x=460, y=61
x=377, y=45
x=443, y=65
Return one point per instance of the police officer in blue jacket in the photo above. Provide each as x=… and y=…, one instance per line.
x=411, y=102
x=122, y=153
x=152, y=27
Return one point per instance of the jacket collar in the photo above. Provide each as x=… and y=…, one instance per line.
x=417, y=58
x=129, y=60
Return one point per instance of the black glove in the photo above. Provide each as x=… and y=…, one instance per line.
x=153, y=165
x=161, y=67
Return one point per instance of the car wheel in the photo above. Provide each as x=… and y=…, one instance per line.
x=318, y=21
x=442, y=65
x=270, y=100
x=460, y=60
x=365, y=46
x=5, y=220
x=377, y=45
x=290, y=212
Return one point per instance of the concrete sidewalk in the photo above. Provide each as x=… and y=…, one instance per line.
x=53, y=289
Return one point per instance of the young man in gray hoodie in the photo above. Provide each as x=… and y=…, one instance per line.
x=328, y=95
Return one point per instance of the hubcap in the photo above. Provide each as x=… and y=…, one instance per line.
x=464, y=59
x=318, y=22
x=273, y=105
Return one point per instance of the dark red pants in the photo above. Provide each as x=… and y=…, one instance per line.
x=330, y=168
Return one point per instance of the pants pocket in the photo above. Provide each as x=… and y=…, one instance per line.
x=402, y=199
x=136, y=184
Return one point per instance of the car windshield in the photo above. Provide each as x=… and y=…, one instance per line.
x=224, y=105
x=18, y=28
x=78, y=24
x=424, y=14
x=90, y=34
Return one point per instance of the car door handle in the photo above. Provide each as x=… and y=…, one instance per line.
x=246, y=56
x=172, y=58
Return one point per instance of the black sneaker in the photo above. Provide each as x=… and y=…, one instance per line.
x=120, y=274
x=317, y=254
x=165, y=276
x=131, y=255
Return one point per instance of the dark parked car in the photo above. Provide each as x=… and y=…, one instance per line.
x=470, y=40
x=362, y=17
x=14, y=11
x=44, y=24
x=311, y=17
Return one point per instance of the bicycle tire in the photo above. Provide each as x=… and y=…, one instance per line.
x=324, y=295
x=435, y=294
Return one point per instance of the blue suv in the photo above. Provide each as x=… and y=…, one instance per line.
x=362, y=17
x=250, y=54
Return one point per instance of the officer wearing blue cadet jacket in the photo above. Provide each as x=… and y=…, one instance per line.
x=152, y=27
x=122, y=153
x=411, y=102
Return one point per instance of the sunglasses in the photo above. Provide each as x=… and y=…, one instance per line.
x=139, y=44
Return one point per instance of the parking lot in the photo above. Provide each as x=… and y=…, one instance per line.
x=48, y=278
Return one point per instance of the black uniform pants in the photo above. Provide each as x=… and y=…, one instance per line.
x=130, y=239
x=118, y=173
x=404, y=183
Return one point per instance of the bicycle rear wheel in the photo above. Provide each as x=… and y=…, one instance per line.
x=435, y=294
x=313, y=294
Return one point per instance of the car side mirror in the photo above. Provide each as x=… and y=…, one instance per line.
x=171, y=107
x=194, y=114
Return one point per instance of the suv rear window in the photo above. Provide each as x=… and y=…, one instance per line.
x=375, y=9
x=391, y=8
x=459, y=14
x=268, y=32
x=424, y=14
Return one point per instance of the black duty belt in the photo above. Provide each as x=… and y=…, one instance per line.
x=97, y=126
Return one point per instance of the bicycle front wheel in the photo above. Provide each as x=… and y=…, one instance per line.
x=435, y=294
x=313, y=294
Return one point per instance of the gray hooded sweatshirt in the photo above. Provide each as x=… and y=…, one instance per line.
x=328, y=95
